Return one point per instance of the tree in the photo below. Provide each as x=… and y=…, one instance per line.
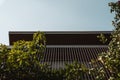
x=111, y=58
x=22, y=61
x=3, y=61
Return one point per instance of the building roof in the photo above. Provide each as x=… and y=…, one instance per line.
x=68, y=46
x=61, y=32
x=62, y=37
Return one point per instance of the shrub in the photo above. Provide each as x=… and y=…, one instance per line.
x=23, y=60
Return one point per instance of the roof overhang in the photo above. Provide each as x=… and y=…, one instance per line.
x=62, y=37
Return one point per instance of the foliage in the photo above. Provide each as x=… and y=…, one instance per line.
x=3, y=60
x=102, y=38
x=99, y=72
x=21, y=63
x=23, y=60
x=75, y=71
x=111, y=58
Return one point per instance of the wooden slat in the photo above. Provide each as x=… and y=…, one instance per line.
x=57, y=56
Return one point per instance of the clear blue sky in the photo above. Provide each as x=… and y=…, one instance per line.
x=54, y=15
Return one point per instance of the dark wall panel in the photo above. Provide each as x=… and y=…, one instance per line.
x=62, y=39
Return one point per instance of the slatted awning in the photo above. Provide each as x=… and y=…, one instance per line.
x=57, y=56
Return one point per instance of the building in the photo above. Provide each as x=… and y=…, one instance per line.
x=68, y=46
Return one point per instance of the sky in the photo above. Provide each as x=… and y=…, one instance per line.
x=54, y=15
